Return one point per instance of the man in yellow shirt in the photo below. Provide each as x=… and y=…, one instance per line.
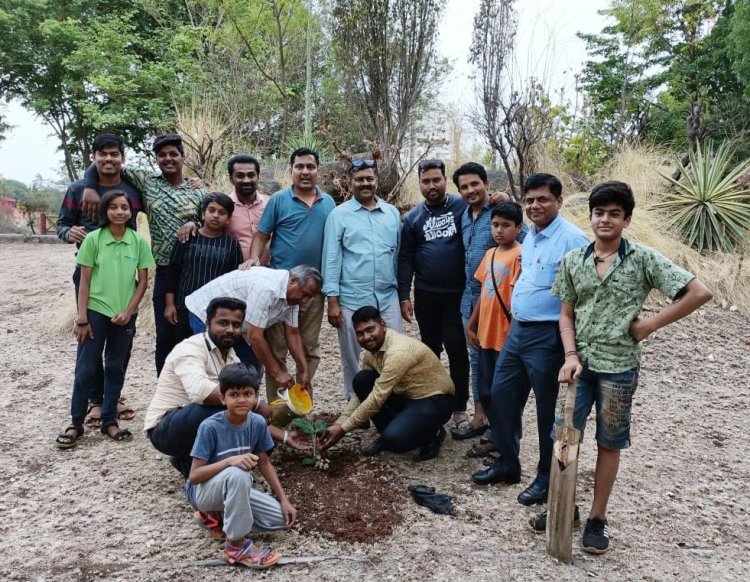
x=402, y=387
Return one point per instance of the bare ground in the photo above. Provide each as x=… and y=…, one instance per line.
x=111, y=511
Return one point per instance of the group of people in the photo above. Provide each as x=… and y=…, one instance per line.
x=242, y=281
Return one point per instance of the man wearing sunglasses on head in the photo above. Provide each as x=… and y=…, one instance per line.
x=432, y=255
x=360, y=258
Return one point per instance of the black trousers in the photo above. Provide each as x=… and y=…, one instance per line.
x=404, y=424
x=440, y=325
x=176, y=432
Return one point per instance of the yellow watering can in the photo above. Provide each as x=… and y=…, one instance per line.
x=297, y=400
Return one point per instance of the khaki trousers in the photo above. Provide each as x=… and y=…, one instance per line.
x=310, y=321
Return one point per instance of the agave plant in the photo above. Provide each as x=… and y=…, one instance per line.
x=708, y=207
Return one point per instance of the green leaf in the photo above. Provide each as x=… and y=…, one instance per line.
x=308, y=461
x=320, y=426
x=303, y=425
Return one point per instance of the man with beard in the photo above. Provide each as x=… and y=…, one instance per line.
x=188, y=389
x=249, y=204
x=360, y=257
x=171, y=201
x=402, y=387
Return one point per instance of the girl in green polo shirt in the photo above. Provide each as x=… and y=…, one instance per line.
x=114, y=263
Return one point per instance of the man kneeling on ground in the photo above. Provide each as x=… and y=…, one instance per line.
x=188, y=388
x=402, y=387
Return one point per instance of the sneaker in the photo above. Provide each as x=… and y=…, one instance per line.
x=538, y=524
x=213, y=521
x=250, y=556
x=595, y=536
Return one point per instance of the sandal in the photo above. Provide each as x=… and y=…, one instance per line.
x=122, y=435
x=251, y=557
x=460, y=420
x=94, y=420
x=65, y=440
x=213, y=522
x=124, y=412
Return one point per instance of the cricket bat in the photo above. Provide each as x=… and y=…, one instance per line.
x=563, y=473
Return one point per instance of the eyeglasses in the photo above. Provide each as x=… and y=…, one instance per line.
x=432, y=164
x=360, y=164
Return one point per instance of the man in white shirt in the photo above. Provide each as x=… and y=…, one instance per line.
x=271, y=296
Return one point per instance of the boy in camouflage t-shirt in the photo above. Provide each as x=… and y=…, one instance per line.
x=603, y=287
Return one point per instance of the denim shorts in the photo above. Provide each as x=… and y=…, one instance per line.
x=613, y=396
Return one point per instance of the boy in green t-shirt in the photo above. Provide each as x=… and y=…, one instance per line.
x=603, y=287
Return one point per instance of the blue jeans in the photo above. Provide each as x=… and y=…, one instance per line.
x=241, y=347
x=531, y=357
x=176, y=432
x=613, y=396
x=166, y=332
x=474, y=361
x=115, y=342
x=487, y=361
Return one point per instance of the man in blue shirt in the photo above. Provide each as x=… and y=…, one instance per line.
x=473, y=186
x=296, y=218
x=360, y=257
x=533, y=352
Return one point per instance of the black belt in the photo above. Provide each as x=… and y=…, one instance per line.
x=536, y=323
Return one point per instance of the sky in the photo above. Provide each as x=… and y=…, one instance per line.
x=547, y=48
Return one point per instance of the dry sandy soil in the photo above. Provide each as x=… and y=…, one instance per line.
x=117, y=512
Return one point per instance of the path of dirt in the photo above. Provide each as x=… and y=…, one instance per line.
x=117, y=512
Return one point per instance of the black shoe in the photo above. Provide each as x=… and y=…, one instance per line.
x=374, y=448
x=494, y=474
x=431, y=449
x=595, y=536
x=484, y=440
x=468, y=432
x=538, y=524
x=534, y=494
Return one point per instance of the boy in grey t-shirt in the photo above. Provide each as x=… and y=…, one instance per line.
x=228, y=446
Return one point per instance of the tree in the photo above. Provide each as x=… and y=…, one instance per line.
x=514, y=115
x=85, y=66
x=386, y=50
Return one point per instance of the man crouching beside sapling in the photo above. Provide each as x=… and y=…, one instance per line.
x=229, y=445
x=603, y=287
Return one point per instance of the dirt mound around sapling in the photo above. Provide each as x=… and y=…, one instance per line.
x=357, y=499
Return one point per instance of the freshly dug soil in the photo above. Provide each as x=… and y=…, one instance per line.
x=356, y=499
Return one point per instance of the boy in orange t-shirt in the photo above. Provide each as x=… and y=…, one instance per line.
x=489, y=323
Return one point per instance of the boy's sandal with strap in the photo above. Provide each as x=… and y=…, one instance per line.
x=213, y=522
x=124, y=411
x=250, y=556
x=66, y=440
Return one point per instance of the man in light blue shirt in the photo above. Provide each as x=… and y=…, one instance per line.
x=360, y=254
x=533, y=354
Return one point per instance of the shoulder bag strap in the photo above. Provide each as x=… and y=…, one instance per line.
x=497, y=291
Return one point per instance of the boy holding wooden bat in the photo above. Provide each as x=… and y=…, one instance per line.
x=603, y=287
